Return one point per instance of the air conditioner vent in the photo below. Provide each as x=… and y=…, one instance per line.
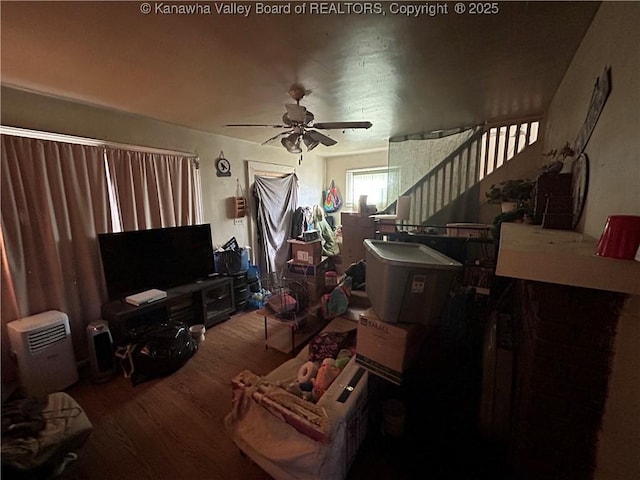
x=48, y=336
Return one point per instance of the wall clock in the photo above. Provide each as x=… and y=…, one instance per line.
x=223, y=167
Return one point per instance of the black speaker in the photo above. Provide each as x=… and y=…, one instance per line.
x=101, y=352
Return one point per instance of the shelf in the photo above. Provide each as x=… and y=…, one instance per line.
x=218, y=302
x=563, y=257
x=207, y=301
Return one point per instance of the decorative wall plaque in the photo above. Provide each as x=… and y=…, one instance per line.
x=601, y=92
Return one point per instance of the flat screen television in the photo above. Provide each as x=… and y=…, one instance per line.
x=160, y=258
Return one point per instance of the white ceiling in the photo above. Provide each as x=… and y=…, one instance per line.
x=405, y=74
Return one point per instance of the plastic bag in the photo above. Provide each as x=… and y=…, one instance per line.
x=332, y=201
x=153, y=351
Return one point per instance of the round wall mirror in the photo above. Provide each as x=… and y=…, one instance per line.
x=579, y=184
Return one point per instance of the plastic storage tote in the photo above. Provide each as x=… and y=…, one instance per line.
x=407, y=282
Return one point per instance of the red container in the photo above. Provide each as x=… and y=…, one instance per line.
x=620, y=238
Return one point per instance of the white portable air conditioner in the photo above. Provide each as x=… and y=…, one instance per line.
x=42, y=345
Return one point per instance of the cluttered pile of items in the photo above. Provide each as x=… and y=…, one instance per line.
x=233, y=261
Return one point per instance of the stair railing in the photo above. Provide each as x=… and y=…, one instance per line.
x=486, y=150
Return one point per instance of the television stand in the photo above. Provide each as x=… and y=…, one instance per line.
x=207, y=302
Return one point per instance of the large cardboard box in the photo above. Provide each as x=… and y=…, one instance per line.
x=308, y=253
x=306, y=269
x=387, y=349
x=355, y=228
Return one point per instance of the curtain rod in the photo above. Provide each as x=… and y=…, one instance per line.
x=60, y=137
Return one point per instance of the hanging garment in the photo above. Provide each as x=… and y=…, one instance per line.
x=277, y=199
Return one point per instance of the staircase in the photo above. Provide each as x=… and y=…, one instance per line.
x=486, y=150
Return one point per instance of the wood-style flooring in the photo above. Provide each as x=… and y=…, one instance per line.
x=172, y=428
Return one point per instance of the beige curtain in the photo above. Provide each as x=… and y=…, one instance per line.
x=153, y=190
x=54, y=201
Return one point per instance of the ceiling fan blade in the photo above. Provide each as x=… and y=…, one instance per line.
x=341, y=125
x=266, y=142
x=297, y=113
x=255, y=125
x=323, y=139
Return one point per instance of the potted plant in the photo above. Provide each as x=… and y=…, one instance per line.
x=560, y=159
x=511, y=194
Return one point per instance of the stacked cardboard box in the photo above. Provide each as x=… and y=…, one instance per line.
x=387, y=349
x=306, y=253
x=305, y=269
x=355, y=229
x=407, y=285
x=307, y=266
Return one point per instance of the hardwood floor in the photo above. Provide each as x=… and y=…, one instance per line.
x=172, y=428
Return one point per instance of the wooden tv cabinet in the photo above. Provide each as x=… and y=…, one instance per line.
x=207, y=302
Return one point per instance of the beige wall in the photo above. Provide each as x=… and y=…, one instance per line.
x=614, y=149
x=336, y=169
x=614, y=180
x=37, y=112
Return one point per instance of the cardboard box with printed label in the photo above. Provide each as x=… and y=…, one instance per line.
x=307, y=253
x=387, y=349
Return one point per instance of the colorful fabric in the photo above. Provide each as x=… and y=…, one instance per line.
x=329, y=344
x=332, y=200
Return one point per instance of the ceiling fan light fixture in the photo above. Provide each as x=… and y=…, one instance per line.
x=311, y=143
x=301, y=126
x=292, y=143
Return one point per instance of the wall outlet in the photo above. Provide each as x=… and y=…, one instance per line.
x=237, y=221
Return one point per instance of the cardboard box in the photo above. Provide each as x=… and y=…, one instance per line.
x=308, y=253
x=387, y=349
x=305, y=269
x=469, y=230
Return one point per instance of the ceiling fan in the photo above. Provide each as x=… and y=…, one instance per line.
x=300, y=126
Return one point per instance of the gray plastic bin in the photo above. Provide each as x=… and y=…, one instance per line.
x=407, y=282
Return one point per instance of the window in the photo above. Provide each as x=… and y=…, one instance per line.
x=380, y=185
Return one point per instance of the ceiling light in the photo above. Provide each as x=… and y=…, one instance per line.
x=311, y=143
x=292, y=143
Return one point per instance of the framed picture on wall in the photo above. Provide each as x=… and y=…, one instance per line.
x=601, y=92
